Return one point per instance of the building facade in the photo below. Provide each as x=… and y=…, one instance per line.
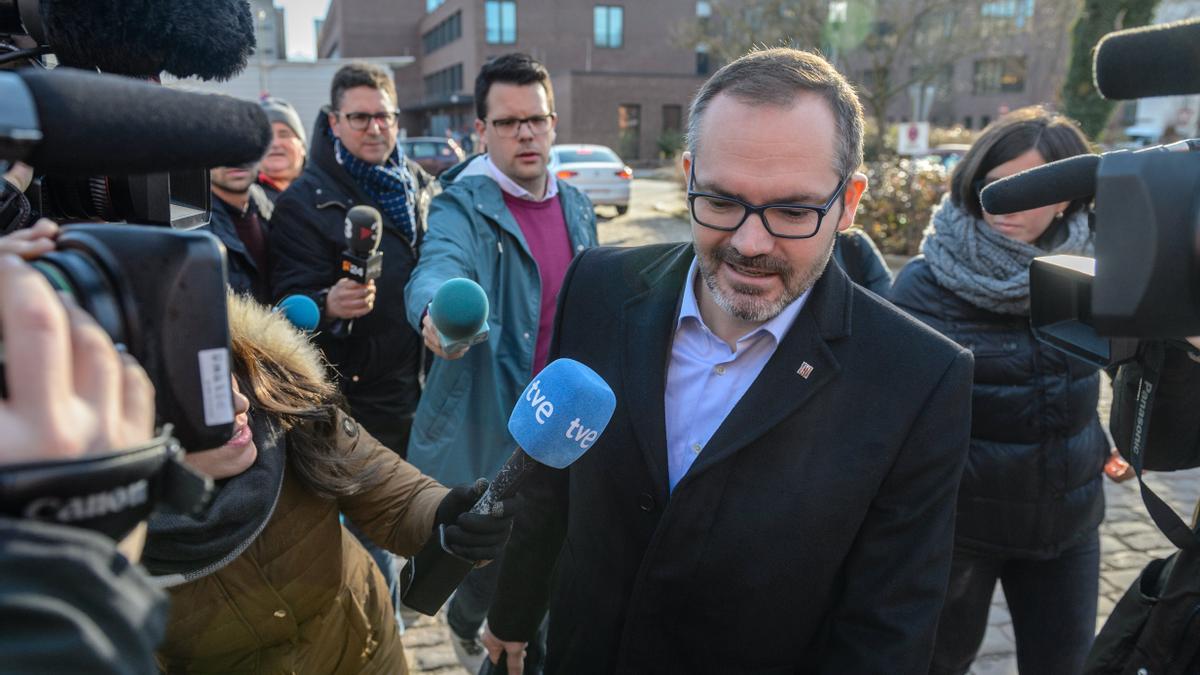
x=619, y=78
x=980, y=59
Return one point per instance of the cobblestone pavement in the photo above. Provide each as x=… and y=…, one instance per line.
x=1128, y=538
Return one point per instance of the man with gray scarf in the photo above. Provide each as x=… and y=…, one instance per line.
x=1031, y=499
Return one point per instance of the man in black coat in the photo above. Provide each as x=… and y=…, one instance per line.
x=241, y=212
x=353, y=159
x=775, y=492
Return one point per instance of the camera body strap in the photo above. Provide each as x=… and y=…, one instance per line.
x=109, y=493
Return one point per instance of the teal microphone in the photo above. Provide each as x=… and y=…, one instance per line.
x=459, y=312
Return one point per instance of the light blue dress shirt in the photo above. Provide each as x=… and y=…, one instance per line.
x=706, y=379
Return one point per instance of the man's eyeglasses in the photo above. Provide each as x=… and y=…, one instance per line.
x=510, y=127
x=359, y=121
x=786, y=221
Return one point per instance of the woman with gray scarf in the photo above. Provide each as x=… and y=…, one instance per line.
x=1031, y=500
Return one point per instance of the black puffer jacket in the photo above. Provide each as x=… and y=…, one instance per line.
x=377, y=362
x=1032, y=483
x=242, y=271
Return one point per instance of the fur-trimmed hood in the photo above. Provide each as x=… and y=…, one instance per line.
x=271, y=334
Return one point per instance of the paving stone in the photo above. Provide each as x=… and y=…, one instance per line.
x=996, y=642
x=1126, y=528
x=1124, y=560
x=1146, y=541
x=1005, y=664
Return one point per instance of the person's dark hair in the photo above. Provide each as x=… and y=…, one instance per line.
x=290, y=385
x=360, y=74
x=1054, y=136
x=775, y=77
x=510, y=69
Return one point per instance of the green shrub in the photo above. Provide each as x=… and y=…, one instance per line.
x=901, y=194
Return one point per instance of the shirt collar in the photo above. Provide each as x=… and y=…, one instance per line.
x=510, y=186
x=776, y=327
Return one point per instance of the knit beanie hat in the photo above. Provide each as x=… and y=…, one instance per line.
x=279, y=110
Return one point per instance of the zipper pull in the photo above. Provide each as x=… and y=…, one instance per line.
x=500, y=247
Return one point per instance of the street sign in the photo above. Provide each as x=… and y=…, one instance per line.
x=913, y=139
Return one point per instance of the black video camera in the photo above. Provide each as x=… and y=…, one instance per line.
x=114, y=148
x=1144, y=282
x=185, y=37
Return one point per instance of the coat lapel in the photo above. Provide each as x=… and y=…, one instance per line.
x=647, y=328
x=800, y=367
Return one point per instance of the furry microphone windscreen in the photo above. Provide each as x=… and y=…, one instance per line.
x=1161, y=60
x=93, y=123
x=209, y=39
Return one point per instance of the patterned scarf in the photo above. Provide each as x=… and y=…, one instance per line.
x=390, y=185
x=984, y=267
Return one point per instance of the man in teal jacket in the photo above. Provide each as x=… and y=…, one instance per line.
x=506, y=223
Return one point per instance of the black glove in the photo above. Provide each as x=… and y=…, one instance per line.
x=471, y=535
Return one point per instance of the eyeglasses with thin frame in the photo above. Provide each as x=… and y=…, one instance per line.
x=359, y=121
x=786, y=221
x=510, y=127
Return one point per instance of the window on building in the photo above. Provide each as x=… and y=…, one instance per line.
x=1002, y=17
x=444, y=33
x=444, y=82
x=703, y=64
x=672, y=118
x=1004, y=75
x=984, y=120
x=431, y=5
x=608, y=22
x=968, y=123
x=501, y=19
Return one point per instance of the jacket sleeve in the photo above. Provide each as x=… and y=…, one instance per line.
x=71, y=603
x=917, y=292
x=397, y=513
x=898, y=568
x=301, y=260
x=876, y=276
x=446, y=253
x=539, y=528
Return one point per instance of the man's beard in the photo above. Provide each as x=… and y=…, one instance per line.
x=748, y=305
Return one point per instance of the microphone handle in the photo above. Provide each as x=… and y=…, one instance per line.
x=506, y=482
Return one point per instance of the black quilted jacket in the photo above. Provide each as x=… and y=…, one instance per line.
x=1032, y=483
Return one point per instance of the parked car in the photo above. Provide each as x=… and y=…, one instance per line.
x=434, y=154
x=595, y=170
x=948, y=154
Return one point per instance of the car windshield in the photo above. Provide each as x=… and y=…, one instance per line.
x=577, y=155
x=423, y=149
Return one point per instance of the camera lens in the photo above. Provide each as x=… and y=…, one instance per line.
x=77, y=275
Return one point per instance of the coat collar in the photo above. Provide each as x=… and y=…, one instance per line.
x=802, y=364
x=487, y=199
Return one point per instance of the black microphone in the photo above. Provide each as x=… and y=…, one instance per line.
x=1162, y=60
x=75, y=123
x=1062, y=181
x=209, y=39
x=362, y=261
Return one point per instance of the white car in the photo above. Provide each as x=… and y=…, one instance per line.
x=596, y=171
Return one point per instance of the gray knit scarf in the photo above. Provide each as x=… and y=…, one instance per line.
x=184, y=547
x=984, y=267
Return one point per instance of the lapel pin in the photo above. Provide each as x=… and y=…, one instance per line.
x=805, y=370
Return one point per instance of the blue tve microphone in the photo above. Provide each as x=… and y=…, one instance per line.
x=301, y=310
x=459, y=312
x=561, y=414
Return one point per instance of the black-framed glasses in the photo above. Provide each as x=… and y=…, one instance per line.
x=786, y=221
x=510, y=127
x=359, y=121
